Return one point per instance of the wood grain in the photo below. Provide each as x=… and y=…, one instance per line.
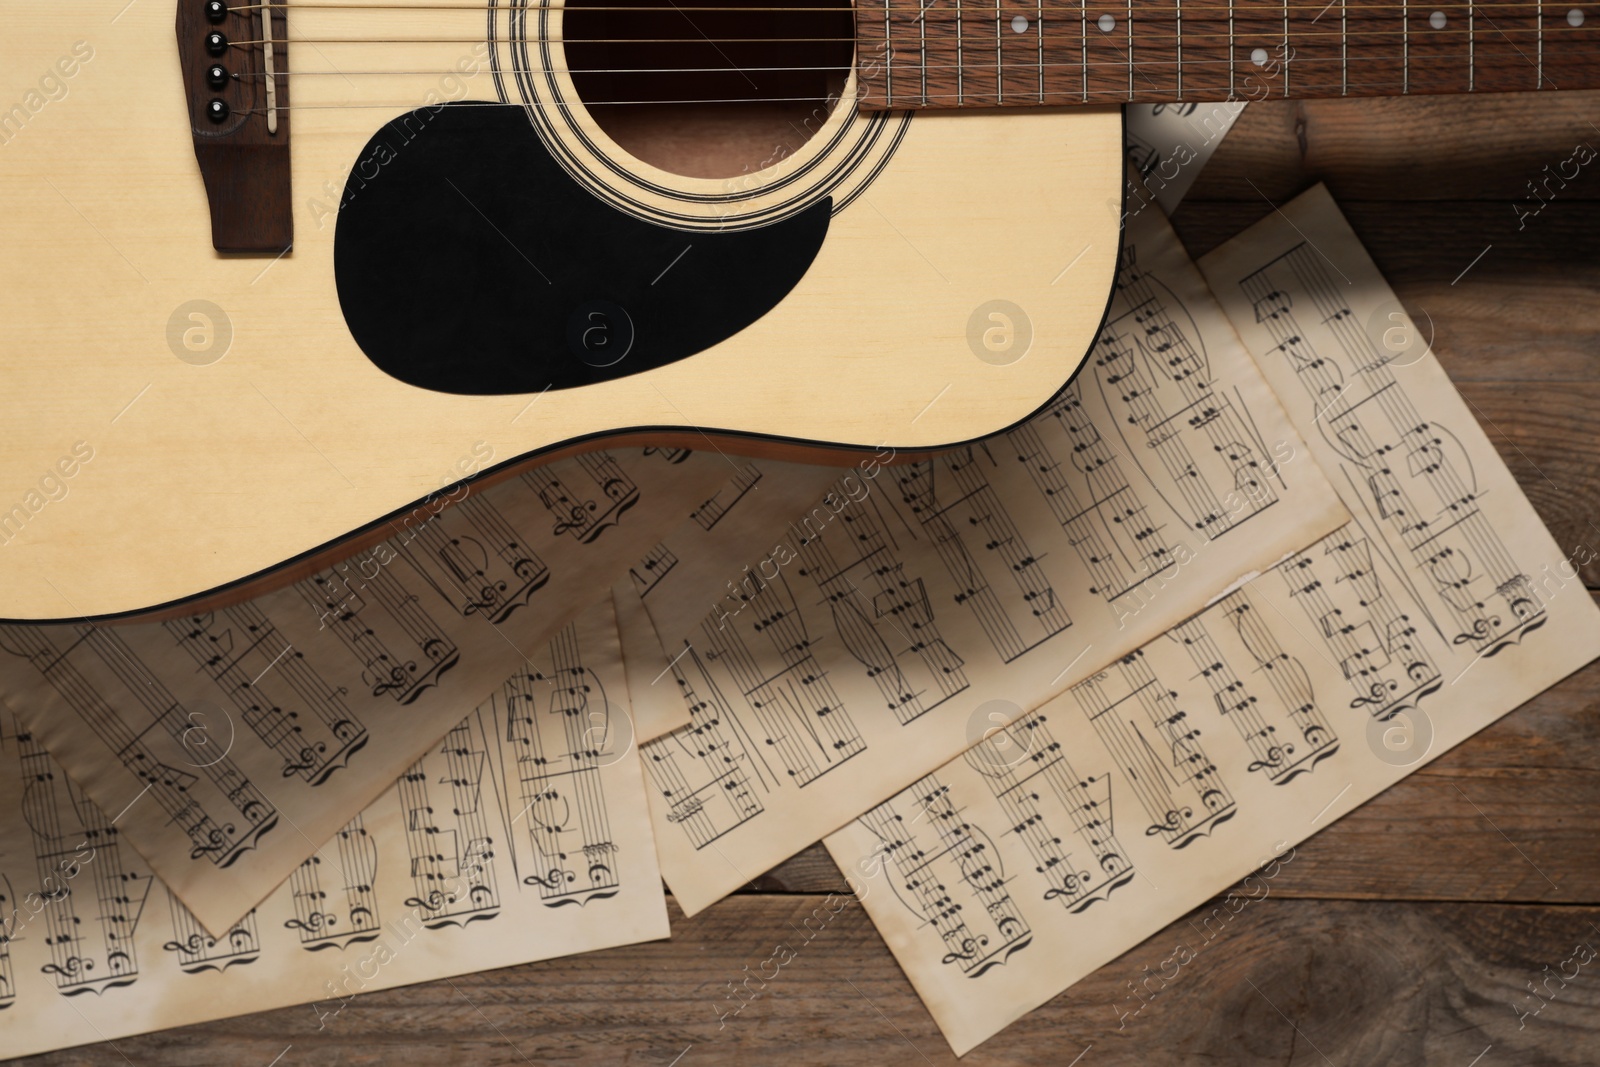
x=950, y=54
x=1284, y=982
x=1430, y=979
x=1400, y=149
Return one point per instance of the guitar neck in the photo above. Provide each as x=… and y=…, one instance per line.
x=961, y=54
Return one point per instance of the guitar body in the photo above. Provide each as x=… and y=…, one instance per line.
x=477, y=278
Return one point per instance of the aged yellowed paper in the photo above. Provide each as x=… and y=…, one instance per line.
x=645, y=666
x=521, y=836
x=909, y=609
x=229, y=745
x=1063, y=840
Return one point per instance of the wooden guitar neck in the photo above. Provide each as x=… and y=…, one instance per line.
x=949, y=54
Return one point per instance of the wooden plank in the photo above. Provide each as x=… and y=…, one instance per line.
x=1271, y=981
x=1548, y=433
x=1416, y=148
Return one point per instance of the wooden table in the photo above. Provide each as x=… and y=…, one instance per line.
x=1405, y=933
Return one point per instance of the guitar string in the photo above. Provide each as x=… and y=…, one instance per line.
x=1267, y=9
x=479, y=8
x=1020, y=67
x=536, y=70
x=1066, y=96
x=1072, y=65
x=1268, y=15
x=1293, y=38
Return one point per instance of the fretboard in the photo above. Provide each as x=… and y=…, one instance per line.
x=960, y=53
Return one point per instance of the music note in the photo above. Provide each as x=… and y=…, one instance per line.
x=1287, y=734
x=197, y=951
x=1417, y=475
x=277, y=694
x=927, y=877
x=1138, y=721
x=402, y=651
x=952, y=494
x=1026, y=770
x=587, y=513
x=93, y=894
x=711, y=512
x=474, y=559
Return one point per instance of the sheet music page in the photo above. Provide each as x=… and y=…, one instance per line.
x=229, y=745
x=520, y=836
x=645, y=665
x=1060, y=842
x=913, y=607
x=752, y=506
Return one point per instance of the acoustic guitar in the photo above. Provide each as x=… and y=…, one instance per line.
x=276, y=269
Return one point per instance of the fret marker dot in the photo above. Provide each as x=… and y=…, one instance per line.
x=1259, y=57
x=1436, y=20
x=1575, y=17
x=1107, y=23
x=1019, y=24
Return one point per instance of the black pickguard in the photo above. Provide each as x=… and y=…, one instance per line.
x=468, y=261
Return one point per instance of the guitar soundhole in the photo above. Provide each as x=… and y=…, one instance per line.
x=709, y=88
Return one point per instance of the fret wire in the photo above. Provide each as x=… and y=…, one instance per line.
x=1344, y=48
x=961, y=60
x=1471, y=65
x=922, y=25
x=888, y=62
x=1405, y=47
x=1178, y=34
x=1233, y=51
x=1287, y=49
x=1539, y=66
x=1083, y=28
x=1130, y=49
x=1038, y=22
x=999, y=58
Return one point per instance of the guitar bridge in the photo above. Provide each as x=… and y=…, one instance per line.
x=235, y=61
